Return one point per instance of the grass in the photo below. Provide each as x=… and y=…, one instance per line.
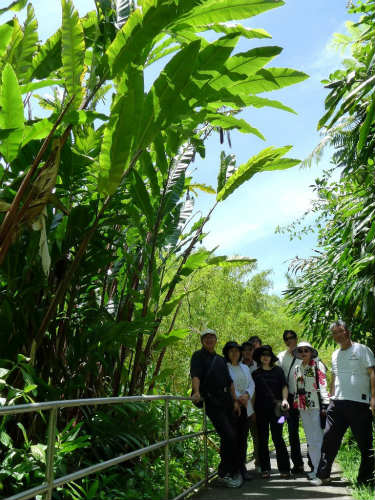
x=349, y=459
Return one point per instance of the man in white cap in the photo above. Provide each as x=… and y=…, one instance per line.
x=211, y=381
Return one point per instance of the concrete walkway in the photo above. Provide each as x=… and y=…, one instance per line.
x=278, y=489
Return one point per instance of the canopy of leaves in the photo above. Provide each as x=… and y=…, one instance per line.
x=338, y=281
x=97, y=230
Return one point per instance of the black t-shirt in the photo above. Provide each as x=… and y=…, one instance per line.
x=219, y=376
x=275, y=380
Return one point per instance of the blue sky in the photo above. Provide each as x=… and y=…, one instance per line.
x=245, y=223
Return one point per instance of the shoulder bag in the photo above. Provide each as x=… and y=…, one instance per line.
x=290, y=395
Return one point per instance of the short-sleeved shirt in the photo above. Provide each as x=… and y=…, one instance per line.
x=267, y=382
x=350, y=366
x=217, y=379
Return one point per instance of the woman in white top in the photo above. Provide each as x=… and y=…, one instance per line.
x=245, y=390
x=311, y=398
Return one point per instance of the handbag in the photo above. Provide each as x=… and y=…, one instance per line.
x=323, y=416
x=279, y=411
x=199, y=404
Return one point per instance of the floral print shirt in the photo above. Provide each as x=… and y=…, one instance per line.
x=306, y=396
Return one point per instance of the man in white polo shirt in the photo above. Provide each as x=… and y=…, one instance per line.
x=352, y=396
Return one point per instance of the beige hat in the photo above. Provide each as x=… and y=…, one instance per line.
x=305, y=344
x=208, y=331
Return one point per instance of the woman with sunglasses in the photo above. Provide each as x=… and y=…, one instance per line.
x=311, y=398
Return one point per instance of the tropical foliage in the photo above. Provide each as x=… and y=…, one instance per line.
x=96, y=230
x=98, y=235
x=339, y=280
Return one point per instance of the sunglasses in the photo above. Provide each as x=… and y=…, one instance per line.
x=289, y=338
x=301, y=351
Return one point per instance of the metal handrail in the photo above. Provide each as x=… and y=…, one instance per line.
x=53, y=406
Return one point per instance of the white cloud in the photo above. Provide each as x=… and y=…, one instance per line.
x=230, y=237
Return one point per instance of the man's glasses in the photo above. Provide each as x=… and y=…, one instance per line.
x=301, y=351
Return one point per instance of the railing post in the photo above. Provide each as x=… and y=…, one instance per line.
x=50, y=452
x=205, y=444
x=166, y=432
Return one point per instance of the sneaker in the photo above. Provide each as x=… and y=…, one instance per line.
x=222, y=480
x=235, y=481
x=311, y=476
x=319, y=482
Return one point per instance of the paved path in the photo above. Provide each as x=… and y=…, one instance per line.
x=278, y=489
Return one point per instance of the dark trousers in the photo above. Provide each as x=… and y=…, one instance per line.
x=293, y=426
x=243, y=425
x=254, y=435
x=225, y=425
x=265, y=420
x=340, y=416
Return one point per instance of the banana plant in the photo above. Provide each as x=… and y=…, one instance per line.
x=96, y=236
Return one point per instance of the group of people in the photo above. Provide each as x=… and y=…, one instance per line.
x=251, y=390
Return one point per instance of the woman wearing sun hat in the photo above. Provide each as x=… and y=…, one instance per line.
x=311, y=398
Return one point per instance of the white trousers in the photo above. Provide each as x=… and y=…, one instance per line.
x=314, y=434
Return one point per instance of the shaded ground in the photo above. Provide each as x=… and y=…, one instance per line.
x=280, y=489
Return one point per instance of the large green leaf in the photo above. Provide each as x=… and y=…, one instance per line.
x=38, y=130
x=268, y=159
x=195, y=261
x=266, y=80
x=48, y=58
x=28, y=45
x=225, y=261
x=210, y=64
x=142, y=26
x=171, y=338
x=229, y=122
x=6, y=31
x=239, y=67
x=140, y=29
x=11, y=114
x=164, y=103
x=72, y=51
x=16, y=5
x=30, y=87
x=260, y=102
x=16, y=39
x=121, y=131
x=238, y=29
x=216, y=11
x=141, y=197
